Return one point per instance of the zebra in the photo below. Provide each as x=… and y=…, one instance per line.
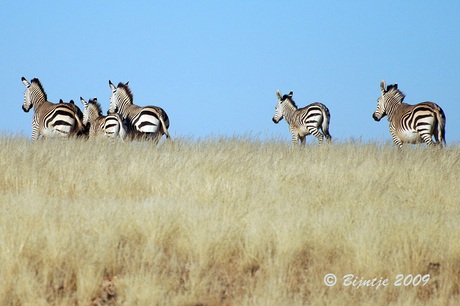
x=304, y=121
x=110, y=126
x=141, y=122
x=50, y=119
x=83, y=132
x=410, y=123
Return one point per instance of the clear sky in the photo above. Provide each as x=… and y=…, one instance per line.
x=215, y=66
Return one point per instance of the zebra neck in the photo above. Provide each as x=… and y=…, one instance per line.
x=289, y=111
x=391, y=105
x=37, y=103
x=124, y=108
x=124, y=111
x=93, y=116
x=37, y=96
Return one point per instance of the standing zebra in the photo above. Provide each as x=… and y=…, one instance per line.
x=141, y=122
x=305, y=121
x=110, y=126
x=410, y=123
x=50, y=120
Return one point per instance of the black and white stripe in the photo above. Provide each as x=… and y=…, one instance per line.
x=50, y=120
x=150, y=122
x=410, y=123
x=304, y=121
x=110, y=126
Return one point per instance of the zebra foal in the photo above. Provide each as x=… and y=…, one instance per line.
x=50, y=119
x=148, y=122
x=304, y=121
x=110, y=126
x=410, y=123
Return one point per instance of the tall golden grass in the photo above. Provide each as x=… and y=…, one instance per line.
x=227, y=221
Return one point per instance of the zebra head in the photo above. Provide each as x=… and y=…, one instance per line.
x=282, y=101
x=27, y=99
x=91, y=110
x=113, y=101
x=380, y=112
x=85, y=110
x=118, y=97
x=34, y=94
x=391, y=96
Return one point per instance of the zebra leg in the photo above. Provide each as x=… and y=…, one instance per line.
x=295, y=136
x=35, y=133
x=157, y=137
x=424, y=130
x=395, y=138
x=302, y=141
x=315, y=132
x=427, y=139
x=397, y=142
x=295, y=139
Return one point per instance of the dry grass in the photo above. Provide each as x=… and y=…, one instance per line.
x=226, y=221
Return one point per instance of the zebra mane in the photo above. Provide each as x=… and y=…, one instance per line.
x=40, y=86
x=397, y=92
x=97, y=105
x=289, y=97
x=127, y=90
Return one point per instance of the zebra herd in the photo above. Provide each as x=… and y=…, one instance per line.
x=124, y=119
x=408, y=123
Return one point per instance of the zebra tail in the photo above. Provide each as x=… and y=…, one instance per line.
x=165, y=129
x=80, y=128
x=441, y=126
x=325, y=125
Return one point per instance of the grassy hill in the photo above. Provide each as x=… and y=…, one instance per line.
x=227, y=221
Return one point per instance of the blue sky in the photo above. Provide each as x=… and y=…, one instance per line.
x=215, y=66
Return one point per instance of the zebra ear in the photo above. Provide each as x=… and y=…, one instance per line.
x=112, y=87
x=383, y=85
x=60, y=101
x=83, y=101
x=25, y=82
x=290, y=94
x=278, y=94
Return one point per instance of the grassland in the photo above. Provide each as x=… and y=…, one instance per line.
x=226, y=221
